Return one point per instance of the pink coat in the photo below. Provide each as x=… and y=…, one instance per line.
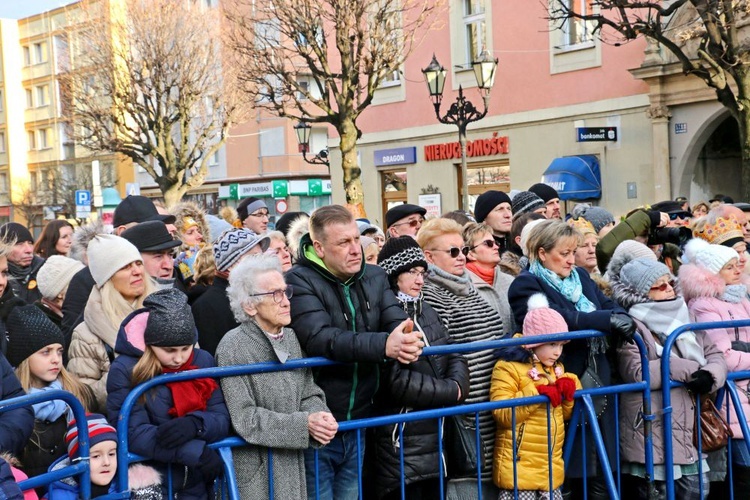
x=702, y=290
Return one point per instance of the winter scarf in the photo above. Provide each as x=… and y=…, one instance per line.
x=487, y=275
x=662, y=318
x=189, y=395
x=734, y=293
x=570, y=287
x=49, y=411
x=402, y=297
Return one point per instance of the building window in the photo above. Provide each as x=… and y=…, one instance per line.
x=2, y=101
x=490, y=176
x=32, y=140
x=26, y=55
x=2, y=142
x=576, y=32
x=32, y=182
x=214, y=161
x=475, y=28
x=3, y=182
x=42, y=95
x=394, y=189
x=44, y=138
x=29, y=99
x=40, y=52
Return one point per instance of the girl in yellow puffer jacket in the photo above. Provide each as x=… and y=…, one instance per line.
x=528, y=446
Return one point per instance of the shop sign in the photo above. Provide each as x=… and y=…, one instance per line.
x=225, y=192
x=299, y=188
x=496, y=145
x=327, y=186
x=432, y=203
x=396, y=156
x=596, y=134
x=275, y=189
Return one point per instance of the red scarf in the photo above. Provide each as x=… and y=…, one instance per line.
x=189, y=395
x=487, y=275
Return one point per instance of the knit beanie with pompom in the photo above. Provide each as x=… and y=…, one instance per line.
x=541, y=319
x=710, y=257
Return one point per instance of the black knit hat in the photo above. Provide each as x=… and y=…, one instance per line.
x=544, y=191
x=13, y=231
x=29, y=330
x=170, y=322
x=400, y=255
x=487, y=201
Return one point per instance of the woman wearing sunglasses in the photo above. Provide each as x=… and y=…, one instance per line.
x=285, y=410
x=551, y=247
x=482, y=265
x=466, y=315
x=646, y=289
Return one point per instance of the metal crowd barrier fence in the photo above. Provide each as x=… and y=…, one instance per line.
x=79, y=467
x=583, y=411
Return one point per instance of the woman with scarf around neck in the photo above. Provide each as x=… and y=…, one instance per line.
x=35, y=349
x=174, y=422
x=284, y=411
x=711, y=281
x=551, y=247
x=646, y=289
x=430, y=382
x=465, y=314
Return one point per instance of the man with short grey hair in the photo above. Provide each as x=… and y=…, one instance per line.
x=344, y=309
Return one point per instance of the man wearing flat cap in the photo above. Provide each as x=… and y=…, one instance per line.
x=404, y=220
x=156, y=245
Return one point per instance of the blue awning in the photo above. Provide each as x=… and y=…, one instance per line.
x=575, y=177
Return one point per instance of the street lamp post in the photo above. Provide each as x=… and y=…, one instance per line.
x=462, y=112
x=303, y=130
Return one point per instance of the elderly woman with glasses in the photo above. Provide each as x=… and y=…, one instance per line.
x=284, y=410
x=551, y=247
x=429, y=382
x=466, y=315
x=646, y=289
x=482, y=265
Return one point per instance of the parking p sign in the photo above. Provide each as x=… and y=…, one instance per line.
x=83, y=197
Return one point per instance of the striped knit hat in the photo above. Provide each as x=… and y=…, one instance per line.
x=99, y=430
x=525, y=202
x=399, y=255
x=233, y=244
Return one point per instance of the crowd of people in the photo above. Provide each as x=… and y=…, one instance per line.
x=95, y=313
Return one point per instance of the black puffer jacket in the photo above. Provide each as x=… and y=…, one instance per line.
x=430, y=382
x=347, y=322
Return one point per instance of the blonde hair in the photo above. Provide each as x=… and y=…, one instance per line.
x=474, y=229
x=434, y=228
x=147, y=367
x=115, y=307
x=204, y=266
x=547, y=234
x=69, y=383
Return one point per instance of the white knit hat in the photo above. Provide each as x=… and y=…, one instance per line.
x=708, y=256
x=55, y=275
x=108, y=254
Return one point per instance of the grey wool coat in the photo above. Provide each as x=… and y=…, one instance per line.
x=269, y=410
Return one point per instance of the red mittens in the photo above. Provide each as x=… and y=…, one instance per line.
x=567, y=388
x=552, y=392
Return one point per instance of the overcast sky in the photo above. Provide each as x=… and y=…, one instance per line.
x=16, y=9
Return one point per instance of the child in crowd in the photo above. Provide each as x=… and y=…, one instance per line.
x=35, y=348
x=172, y=423
x=541, y=374
x=144, y=481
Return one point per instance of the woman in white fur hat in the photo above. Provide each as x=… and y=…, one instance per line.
x=121, y=286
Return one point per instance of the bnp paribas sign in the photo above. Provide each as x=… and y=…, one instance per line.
x=595, y=134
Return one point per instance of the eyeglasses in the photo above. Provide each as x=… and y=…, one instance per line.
x=454, y=251
x=487, y=243
x=260, y=214
x=279, y=294
x=418, y=274
x=663, y=286
x=412, y=222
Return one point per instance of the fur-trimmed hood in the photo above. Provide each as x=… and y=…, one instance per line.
x=190, y=209
x=299, y=228
x=699, y=282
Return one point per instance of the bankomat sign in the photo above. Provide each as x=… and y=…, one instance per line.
x=596, y=134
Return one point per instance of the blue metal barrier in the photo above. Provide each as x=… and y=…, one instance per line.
x=584, y=396
x=79, y=467
x=667, y=400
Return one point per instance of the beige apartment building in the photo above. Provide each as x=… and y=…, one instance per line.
x=41, y=166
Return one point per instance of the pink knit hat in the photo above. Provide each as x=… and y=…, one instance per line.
x=541, y=319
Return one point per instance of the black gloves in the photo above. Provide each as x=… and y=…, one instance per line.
x=655, y=217
x=178, y=431
x=700, y=382
x=211, y=465
x=739, y=345
x=623, y=326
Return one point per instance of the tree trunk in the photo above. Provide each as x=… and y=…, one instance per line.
x=355, y=195
x=744, y=126
x=173, y=194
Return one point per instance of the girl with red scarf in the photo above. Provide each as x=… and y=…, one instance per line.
x=172, y=423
